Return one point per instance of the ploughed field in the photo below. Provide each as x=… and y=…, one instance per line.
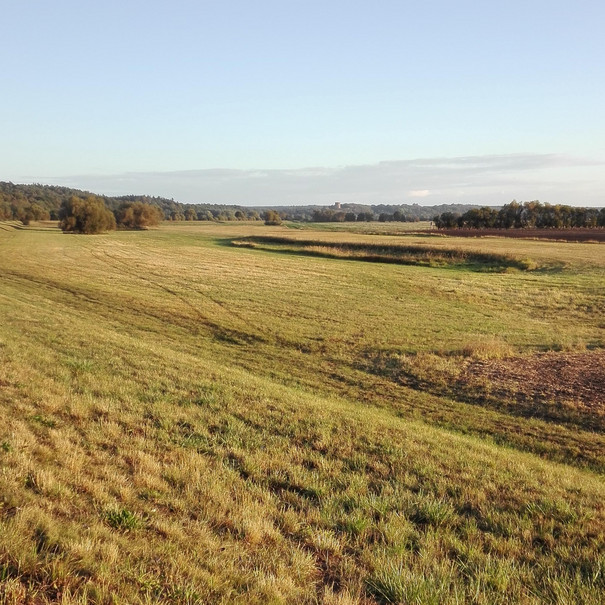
x=237, y=413
x=596, y=234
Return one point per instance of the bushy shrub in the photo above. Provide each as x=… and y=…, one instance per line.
x=89, y=215
x=272, y=218
x=138, y=215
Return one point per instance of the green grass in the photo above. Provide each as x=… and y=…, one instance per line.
x=372, y=228
x=192, y=422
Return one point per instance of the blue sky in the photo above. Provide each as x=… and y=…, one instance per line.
x=307, y=102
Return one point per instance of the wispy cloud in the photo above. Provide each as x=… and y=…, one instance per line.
x=490, y=179
x=419, y=193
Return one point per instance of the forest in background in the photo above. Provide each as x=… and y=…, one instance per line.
x=43, y=202
x=528, y=215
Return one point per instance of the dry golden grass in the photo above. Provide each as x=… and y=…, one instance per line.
x=190, y=422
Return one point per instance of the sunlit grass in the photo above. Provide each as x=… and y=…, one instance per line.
x=190, y=422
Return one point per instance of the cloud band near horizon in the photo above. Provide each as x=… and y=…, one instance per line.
x=489, y=179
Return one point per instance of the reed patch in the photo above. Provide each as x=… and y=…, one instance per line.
x=422, y=255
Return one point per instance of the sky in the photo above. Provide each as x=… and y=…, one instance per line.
x=305, y=102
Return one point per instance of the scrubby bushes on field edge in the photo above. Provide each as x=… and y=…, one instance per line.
x=91, y=215
x=88, y=215
x=138, y=215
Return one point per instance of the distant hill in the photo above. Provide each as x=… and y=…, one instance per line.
x=412, y=212
x=39, y=202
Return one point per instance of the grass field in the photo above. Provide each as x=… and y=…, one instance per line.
x=237, y=413
x=372, y=228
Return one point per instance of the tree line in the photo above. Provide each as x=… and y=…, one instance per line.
x=526, y=215
x=36, y=202
x=328, y=215
x=27, y=203
x=43, y=202
x=92, y=215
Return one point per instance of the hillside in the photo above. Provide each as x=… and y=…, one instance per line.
x=42, y=202
x=235, y=413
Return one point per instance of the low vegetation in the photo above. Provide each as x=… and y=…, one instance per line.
x=91, y=216
x=88, y=216
x=417, y=254
x=272, y=218
x=188, y=421
x=137, y=215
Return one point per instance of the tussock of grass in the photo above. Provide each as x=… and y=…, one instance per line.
x=123, y=519
x=395, y=584
x=487, y=348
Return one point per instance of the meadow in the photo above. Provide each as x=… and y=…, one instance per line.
x=237, y=413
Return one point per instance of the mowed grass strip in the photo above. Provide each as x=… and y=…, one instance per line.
x=167, y=441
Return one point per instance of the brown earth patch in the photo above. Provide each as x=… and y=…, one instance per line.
x=569, y=235
x=569, y=378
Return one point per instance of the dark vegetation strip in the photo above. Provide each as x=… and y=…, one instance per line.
x=397, y=254
x=566, y=235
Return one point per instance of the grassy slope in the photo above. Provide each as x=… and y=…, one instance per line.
x=186, y=421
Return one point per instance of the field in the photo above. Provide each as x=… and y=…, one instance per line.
x=372, y=228
x=596, y=234
x=237, y=413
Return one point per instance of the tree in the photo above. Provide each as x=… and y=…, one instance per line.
x=479, y=218
x=510, y=215
x=323, y=215
x=272, y=218
x=138, y=215
x=205, y=215
x=88, y=215
x=530, y=213
x=190, y=214
x=446, y=220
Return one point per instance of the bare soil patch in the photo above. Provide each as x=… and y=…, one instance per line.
x=556, y=377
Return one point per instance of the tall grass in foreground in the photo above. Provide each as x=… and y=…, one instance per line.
x=186, y=422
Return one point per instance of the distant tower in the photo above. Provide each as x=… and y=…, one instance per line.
x=337, y=205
